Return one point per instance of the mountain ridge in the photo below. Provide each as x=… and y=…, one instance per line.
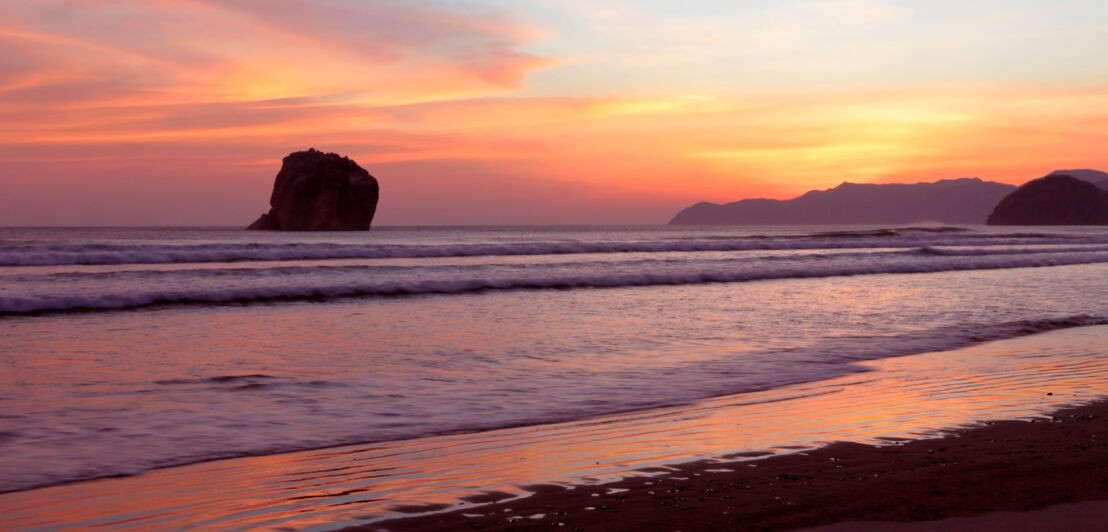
x=1096, y=177
x=961, y=200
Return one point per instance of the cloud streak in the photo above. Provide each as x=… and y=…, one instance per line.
x=614, y=115
x=186, y=51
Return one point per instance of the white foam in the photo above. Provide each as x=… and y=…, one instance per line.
x=43, y=255
x=202, y=287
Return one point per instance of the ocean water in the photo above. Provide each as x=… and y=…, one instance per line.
x=126, y=350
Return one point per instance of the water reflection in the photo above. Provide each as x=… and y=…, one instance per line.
x=913, y=396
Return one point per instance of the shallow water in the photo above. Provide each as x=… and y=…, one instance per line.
x=907, y=397
x=126, y=350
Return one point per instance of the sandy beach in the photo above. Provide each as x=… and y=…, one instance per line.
x=1002, y=466
x=922, y=449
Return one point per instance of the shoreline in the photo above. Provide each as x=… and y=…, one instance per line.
x=1000, y=466
x=378, y=486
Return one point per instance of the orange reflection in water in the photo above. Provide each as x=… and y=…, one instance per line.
x=914, y=396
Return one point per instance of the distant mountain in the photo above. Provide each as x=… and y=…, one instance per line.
x=952, y=201
x=1053, y=200
x=1096, y=177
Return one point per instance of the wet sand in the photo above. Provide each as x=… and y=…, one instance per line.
x=1001, y=466
x=894, y=402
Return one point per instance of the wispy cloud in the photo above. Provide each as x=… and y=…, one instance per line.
x=625, y=110
x=184, y=51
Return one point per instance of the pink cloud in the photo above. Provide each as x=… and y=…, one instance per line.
x=482, y=41
x=106, y=73
x=109, y=108
x=65, y=52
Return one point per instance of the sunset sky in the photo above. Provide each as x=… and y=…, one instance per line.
x=178, y=112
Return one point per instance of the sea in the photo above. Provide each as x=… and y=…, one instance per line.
x=128, y=350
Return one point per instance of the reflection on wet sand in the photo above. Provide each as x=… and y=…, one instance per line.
x=907, y=397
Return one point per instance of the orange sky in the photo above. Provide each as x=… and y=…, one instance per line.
x=177, y=112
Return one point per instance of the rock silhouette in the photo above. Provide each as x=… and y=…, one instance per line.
x=316, y=191
x=1096, y=177
x=952, y=201
x=1053, y=200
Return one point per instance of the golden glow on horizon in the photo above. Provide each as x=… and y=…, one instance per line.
x=429, y=86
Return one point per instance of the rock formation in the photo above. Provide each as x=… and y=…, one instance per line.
x=1095, y=177
x=952, y=201
x=316, y=191
x=1053, y=200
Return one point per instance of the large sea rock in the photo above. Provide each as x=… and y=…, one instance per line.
x=316, y=191
x=1053, y=200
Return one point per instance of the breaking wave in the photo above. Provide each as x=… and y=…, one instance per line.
x=92, y=254
x=197, y=287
